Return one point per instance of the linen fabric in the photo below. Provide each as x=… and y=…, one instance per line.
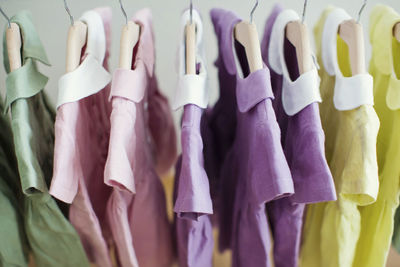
x=331, y=230
x=302, y=138
x=193, y=205
x=377, y=219
x=136, y=209
x=51, y=237
x=396, y=229
x=82, y=131
x=15, y=251
x=255, y=170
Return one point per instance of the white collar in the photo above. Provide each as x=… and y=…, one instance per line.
x=329, y=40
x=276, y=44
x=191, y=88
x=90, y=77
x=298, y=94
x=349, y=92
x=96, y=36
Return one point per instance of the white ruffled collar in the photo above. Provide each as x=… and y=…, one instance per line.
x=298, y=94
x=191, y=88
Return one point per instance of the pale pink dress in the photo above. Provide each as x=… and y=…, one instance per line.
x=81, y=140
x=142, y=142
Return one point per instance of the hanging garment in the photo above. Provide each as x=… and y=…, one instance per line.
x=52, y=239
x=136, y=209
x=377, y=219
x=14, y=249
x=296, y=108
x=218, y=126
x=255, y=170
x=396, y=231
x=193, y=228
x=331, y=230
x=82, y=132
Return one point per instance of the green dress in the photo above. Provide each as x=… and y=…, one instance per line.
x=377, y=219
x=15, y=251
x=53, y=240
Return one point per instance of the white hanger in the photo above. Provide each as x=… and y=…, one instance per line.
x=129, y=38
x=351, y=32
x=246, y=34
x=14, y=43
x=190, y=44
x=297, y=34
x=76, y=40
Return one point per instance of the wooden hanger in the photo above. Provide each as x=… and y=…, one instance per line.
x=129, y=38
x=190, y=44
x=396, y=31
x=76, y=40
x=352, y=34
x=14, y=44
x=246, y=34
x=297, y=34
x=190, y=48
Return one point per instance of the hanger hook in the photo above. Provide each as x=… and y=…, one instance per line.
x=361, y=10
x=303, y=16
x=123, y=11
x=7, y=18
x=252, y=11
x=191, y=11
x=71, y=18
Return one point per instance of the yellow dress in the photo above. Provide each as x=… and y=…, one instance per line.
x=331, y=230
x=377, y=219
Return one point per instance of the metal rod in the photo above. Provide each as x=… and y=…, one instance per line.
x=303, y=16
x=191, y=11
x=123, y=11
x=252, y=11
x=361, y=10
x=71, y=18
x=7, y=18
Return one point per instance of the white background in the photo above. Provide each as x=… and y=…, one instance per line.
x=52, y=24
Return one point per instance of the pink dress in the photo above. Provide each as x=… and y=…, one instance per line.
x=81, y=140
x=142, y=141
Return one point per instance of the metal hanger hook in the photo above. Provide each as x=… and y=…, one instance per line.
x=123, y=11
x=361, y=10
x=191, y=11
x=7, y=18
x=303, y=16
x=252, y=11
x=71, y=18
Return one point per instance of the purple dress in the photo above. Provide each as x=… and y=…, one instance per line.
x=193, y=206
x=254, y=169
x=303, y=143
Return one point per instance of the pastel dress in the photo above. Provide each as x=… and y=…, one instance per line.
x=52, y=239
x=255, y=170
x=377, y=219
x=193, y=205
x=296, y=108
x=136, y=209
x=15, y=251
x=331, y=230
x=82, y=131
